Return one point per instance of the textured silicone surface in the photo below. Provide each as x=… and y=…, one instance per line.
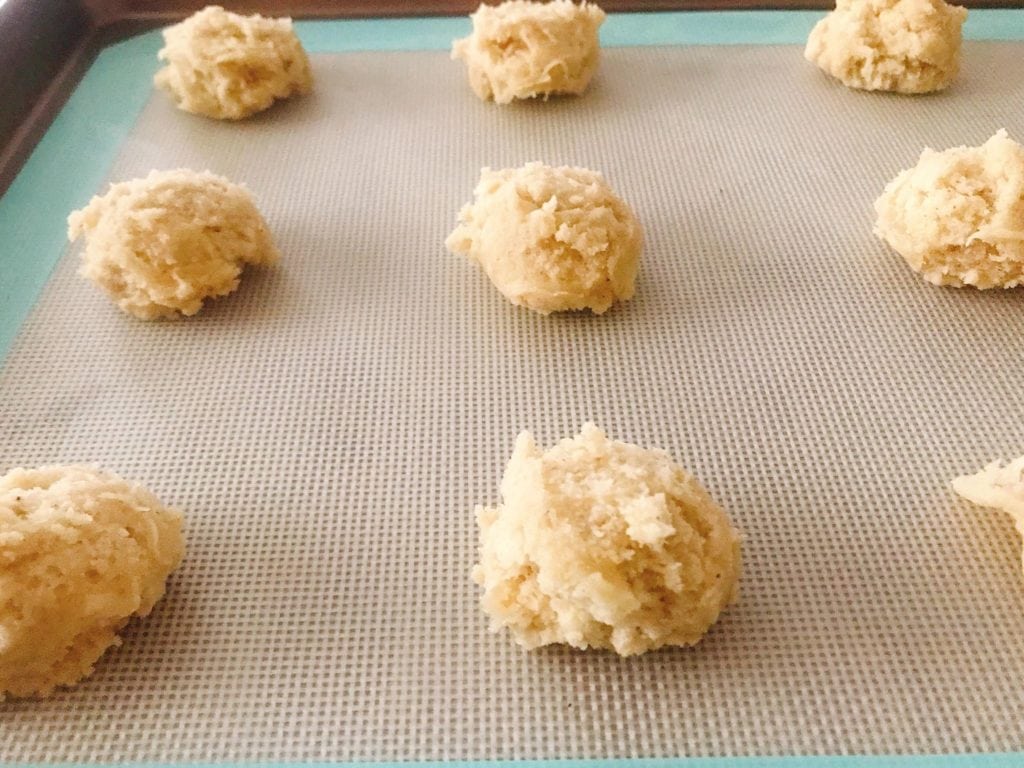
x=329, y=427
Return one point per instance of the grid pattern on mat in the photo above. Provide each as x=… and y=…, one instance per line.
x=329, y=427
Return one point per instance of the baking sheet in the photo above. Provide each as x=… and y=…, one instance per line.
x=329, y=427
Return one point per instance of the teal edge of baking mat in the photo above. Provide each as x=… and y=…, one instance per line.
x=70, y=162
x=72, y=159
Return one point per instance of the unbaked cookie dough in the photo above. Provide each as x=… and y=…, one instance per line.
x=551, y=239
x=907, y=46
x=81, y=552
x=603, y=544
x=522, y=49
x=999, y=487
x=957, y=217
x=227, y=66
x=161, y=245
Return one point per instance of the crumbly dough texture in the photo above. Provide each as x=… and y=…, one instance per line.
x=907, y=46
x=551, y=239
x=81, y=551
x=522, y=49
x=161, y=245
x=603, y=544
x=957, y=217
x=229, y=67
x=999, y=487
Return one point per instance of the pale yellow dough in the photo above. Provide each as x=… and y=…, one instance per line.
x=227, y=66
x=161, y=245
x=957, y=217
x=603, y=544
x=81, y=552
x=521, y=49
x=999, y=487
x=907, y=46
x=551, y=239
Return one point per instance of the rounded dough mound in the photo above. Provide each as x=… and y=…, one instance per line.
x=551, y=239
x=603, y=544
x=81, y=552
x=907, y=46
x=522, y=49
x=163, y=244
x=227, y=66
x=957, y=217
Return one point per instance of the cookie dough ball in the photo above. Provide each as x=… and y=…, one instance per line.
x=227, y=66
x=907, y=46
x=161, y=245
x=999, y=487
x=551, y=239
x=957, y=217
x=522, y=49
x=81, y=552
x=602, y=544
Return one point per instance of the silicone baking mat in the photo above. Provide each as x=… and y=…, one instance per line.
x=329, y=427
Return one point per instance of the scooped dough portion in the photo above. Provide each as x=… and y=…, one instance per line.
x=603, y=544
x=522, y=49
x=999, y=487
x=161, y=245
x=551, y=239
x=227, y=66
x=957, y=217
x=907, y=46
x=81, y=552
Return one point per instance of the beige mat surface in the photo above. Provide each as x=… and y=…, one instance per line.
x=328, y=428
